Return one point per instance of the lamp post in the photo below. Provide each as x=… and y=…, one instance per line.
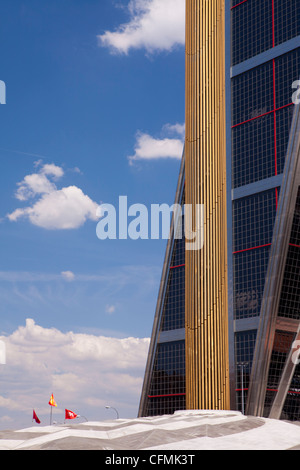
x=242, y=366
x=111, y=407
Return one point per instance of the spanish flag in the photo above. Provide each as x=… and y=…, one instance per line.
x=52, y=401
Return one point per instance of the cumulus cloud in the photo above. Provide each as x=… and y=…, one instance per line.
x=155, y=25
x=148, y=147
x=32, y=185
x=174, y=129
x=55, y=209
x=82, y=371
x=52, y=170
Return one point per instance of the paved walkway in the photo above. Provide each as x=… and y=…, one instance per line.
x=185, y=430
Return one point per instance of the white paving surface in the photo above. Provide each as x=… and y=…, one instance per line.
x=193, y=430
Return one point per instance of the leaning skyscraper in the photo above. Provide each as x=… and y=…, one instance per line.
x=227, y=322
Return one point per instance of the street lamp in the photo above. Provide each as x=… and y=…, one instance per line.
x=111, y=407
x=242, y=366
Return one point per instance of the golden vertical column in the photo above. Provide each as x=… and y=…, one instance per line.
x=206, y=322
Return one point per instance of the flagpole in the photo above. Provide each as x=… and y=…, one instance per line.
x=51, y=403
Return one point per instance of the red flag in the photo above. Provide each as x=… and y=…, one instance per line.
x=52, y=401
x=35, y=417
x=70, y=414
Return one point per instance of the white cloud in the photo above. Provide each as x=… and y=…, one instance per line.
x=65, y=208
x=34, y=184
x=79, y=369
x=110, y=309
x=77, y=170
x=39, y=183
x=68, y=275
x=2, y=353
x=9, y=404
x=52, y=170
x=154, y=25
x=177, y=128
x=151, y=148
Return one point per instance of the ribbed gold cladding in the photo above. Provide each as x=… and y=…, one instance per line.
x=207, y=360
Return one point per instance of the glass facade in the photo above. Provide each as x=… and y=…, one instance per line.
x=173, y=314
x=261, y=116
x=167, y=393
x=262, y=111
x=167, y=389
x=251, y=29
x=281, y=347
x=250, y=269
x=289, y=307
x=253, y=222
x=244, y=350
x=174, y=309
x=259, y=25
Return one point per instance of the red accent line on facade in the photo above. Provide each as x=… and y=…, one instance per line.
x=268, y=390
x=237, y=390
x=276, y=195
x=274, y=100
x=261, y=246
x=179, y=266
x=168, y=395
x=244, y=1
x=252, y=248
x=262, y=115
x=285, y=106
x=252, y=119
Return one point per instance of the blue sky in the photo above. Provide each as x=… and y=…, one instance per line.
x=94, y=110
